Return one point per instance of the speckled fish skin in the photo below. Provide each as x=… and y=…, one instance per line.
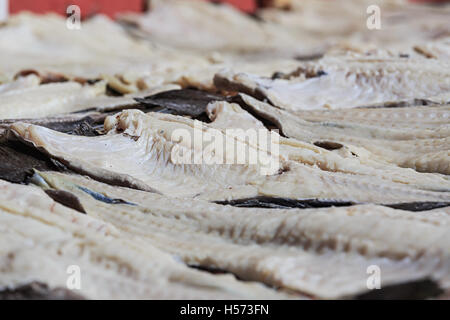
x=40, y=239
x=145, y=163
x=291, y=249
x=406, y=144
x=347, y=83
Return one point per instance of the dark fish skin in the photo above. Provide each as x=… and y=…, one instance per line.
x=285, y=203
x=17, y=161
x=73, y=124
x=103, y=198
x=210, y=270
x=66, y=199
x=329, y=145
x=311, y=57
x=82, y=127
x=38, y=291
x=110, y=91
x=225, y=84
x=270, y=124
x=213, y=270
x=184, y=102
x=414, y=290
x=419, y=206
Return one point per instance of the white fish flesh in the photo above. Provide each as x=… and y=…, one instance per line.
x=27, y=98
x=41, y=241
x=341, y=83
x=411, y=137
x=138, y=151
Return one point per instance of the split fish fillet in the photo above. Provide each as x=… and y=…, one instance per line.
x=341, y=17
x=100, y=48
x=40, y=239
x=354, y=161
x=46, y=100
x=402, y=23
x=405, y=26
x=127, y=64
x=291, y=249
x=340, y=83
x=145, y=203
x=206, y=27
x=146, y=155
x=27, y=98
x=411, y=137
x=138, y=151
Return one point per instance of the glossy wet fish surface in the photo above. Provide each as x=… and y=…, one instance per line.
x=298, y=161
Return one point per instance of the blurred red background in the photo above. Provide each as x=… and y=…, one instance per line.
x=88, y=7
x=111, y=7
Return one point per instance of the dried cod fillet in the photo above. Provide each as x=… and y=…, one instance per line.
x=139, y=148
x=198, y=26
x=404, y=27
x=146, y=155
x=103, y=50
x=321, y=252
x=412, y=137
x=403, y=24
x=347, y=160
x=200, y=23
x=40, y=239
x=38, y=291
x=340, y=83
x=342, y=17
x=399, y=122
x=47, y=100
x=100, y=48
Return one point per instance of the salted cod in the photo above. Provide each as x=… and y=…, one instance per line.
x=351, y=23
x=138, y=151
x=342, y=82
x=100, y=49
x=27, y=97
x=41, y=239
x=416, y=137
x=103, y=49
x=207, y=27
x=324, y=253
